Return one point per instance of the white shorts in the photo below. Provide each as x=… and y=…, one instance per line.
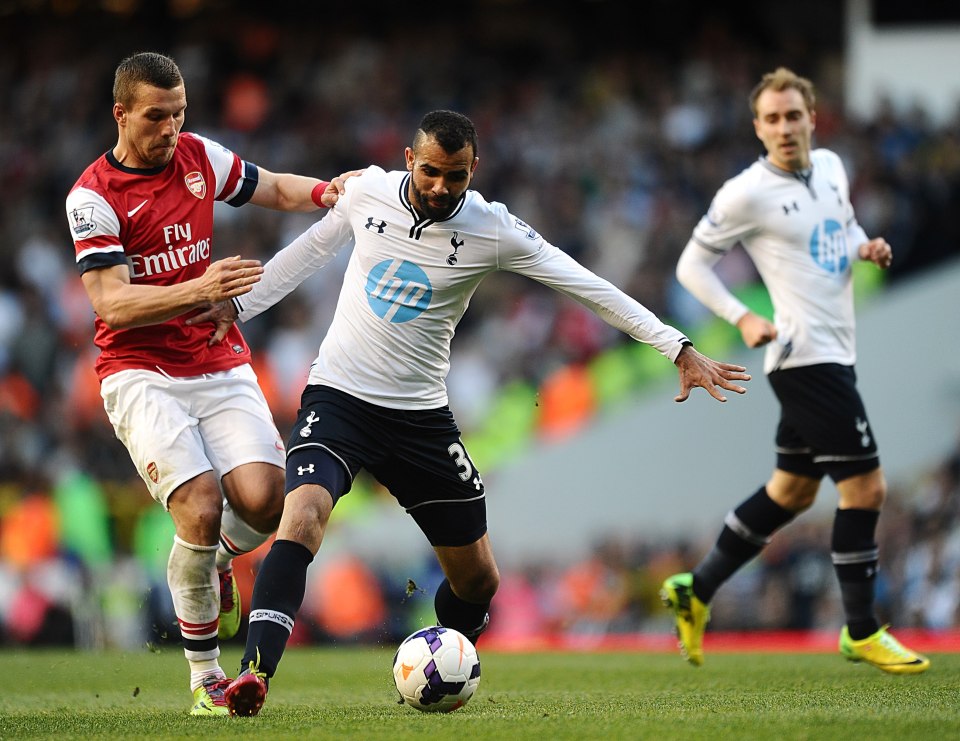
x=178, y=428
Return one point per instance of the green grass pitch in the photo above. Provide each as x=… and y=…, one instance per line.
x=347, y=693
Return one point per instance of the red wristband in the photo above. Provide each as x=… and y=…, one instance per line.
x=317, y=193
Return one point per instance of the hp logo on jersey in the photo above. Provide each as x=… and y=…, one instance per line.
x=398, y=290
x=828, y=247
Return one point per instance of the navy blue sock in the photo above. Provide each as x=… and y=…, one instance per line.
x=452, y=612
x=855, y=559
x=746, y=530
x=277, y=595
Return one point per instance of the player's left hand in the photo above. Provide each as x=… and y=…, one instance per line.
x=222, y=314
x=699, y=370
x=878, y=252
x=334, y=189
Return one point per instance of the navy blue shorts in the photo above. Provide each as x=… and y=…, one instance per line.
x=416, y=454
x=823, y=427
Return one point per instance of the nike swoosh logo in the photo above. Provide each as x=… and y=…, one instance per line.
x=131, y=213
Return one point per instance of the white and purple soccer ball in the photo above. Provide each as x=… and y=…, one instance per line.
x=436, y=669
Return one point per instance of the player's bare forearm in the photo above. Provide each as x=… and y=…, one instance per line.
x=123, y=305
x=288, y=192
x=698, y=370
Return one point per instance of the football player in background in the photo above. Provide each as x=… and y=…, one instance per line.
x=791, y=212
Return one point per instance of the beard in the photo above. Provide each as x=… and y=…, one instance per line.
x=436, y=212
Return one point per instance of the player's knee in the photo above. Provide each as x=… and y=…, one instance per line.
x=863, y=491
x=800, y=501
x=794, y=492
x=264, y=514
x=271, y=509
x=309, y=504
x=204, y=517
x=196, y=507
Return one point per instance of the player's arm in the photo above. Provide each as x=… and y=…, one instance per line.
x=288, y=192
x=696, y=272
x=123, y=305
x=286, y=270
x=548, y=265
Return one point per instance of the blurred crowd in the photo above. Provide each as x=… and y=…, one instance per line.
x=607, y=137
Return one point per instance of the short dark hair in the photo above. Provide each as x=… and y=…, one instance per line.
x=451, y=130
x=146, y=66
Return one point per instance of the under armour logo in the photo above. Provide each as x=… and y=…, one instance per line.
x=311, y=418
x=304, y=469
x=789, y=207
x=477, y=483
x=836, y=192
x=452, y=258
x=863, y=428
x=371, y=224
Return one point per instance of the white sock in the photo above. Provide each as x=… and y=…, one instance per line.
x=192, y=578
x=200, y=670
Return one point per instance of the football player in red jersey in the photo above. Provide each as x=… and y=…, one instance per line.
x=191, y=414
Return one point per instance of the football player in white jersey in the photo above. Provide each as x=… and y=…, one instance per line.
x=190, y=412
x=791, y=212
x=376, y=395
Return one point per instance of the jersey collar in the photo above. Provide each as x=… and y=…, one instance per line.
x=115, y=163
x=803, y=175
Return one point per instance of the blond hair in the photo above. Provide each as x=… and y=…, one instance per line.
x=783, y=79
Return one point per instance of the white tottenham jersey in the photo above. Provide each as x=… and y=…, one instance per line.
x=801, y=233
x=409, y=281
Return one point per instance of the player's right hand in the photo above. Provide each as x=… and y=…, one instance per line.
x=222, y=314
x=335, y=188
x=229, y=277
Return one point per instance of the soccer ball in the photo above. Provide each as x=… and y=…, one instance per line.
x=436, y=669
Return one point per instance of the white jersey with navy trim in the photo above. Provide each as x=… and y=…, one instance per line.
x=410, y=279
x=801, y=233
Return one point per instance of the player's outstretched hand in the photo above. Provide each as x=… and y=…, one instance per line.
x=699, y=370
x=334, y=190
x=222, y=314
x=229, y=277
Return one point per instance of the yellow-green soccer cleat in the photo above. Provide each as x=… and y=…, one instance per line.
x=690, y=614
x=209, y=698
x=883, y=651
x=229, y=606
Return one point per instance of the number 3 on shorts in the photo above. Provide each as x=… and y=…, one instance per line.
x=459, y=456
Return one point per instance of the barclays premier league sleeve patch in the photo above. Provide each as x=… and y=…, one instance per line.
x=82, y=221
x=529, y=231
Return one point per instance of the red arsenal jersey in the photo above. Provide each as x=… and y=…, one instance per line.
x=159, y=222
